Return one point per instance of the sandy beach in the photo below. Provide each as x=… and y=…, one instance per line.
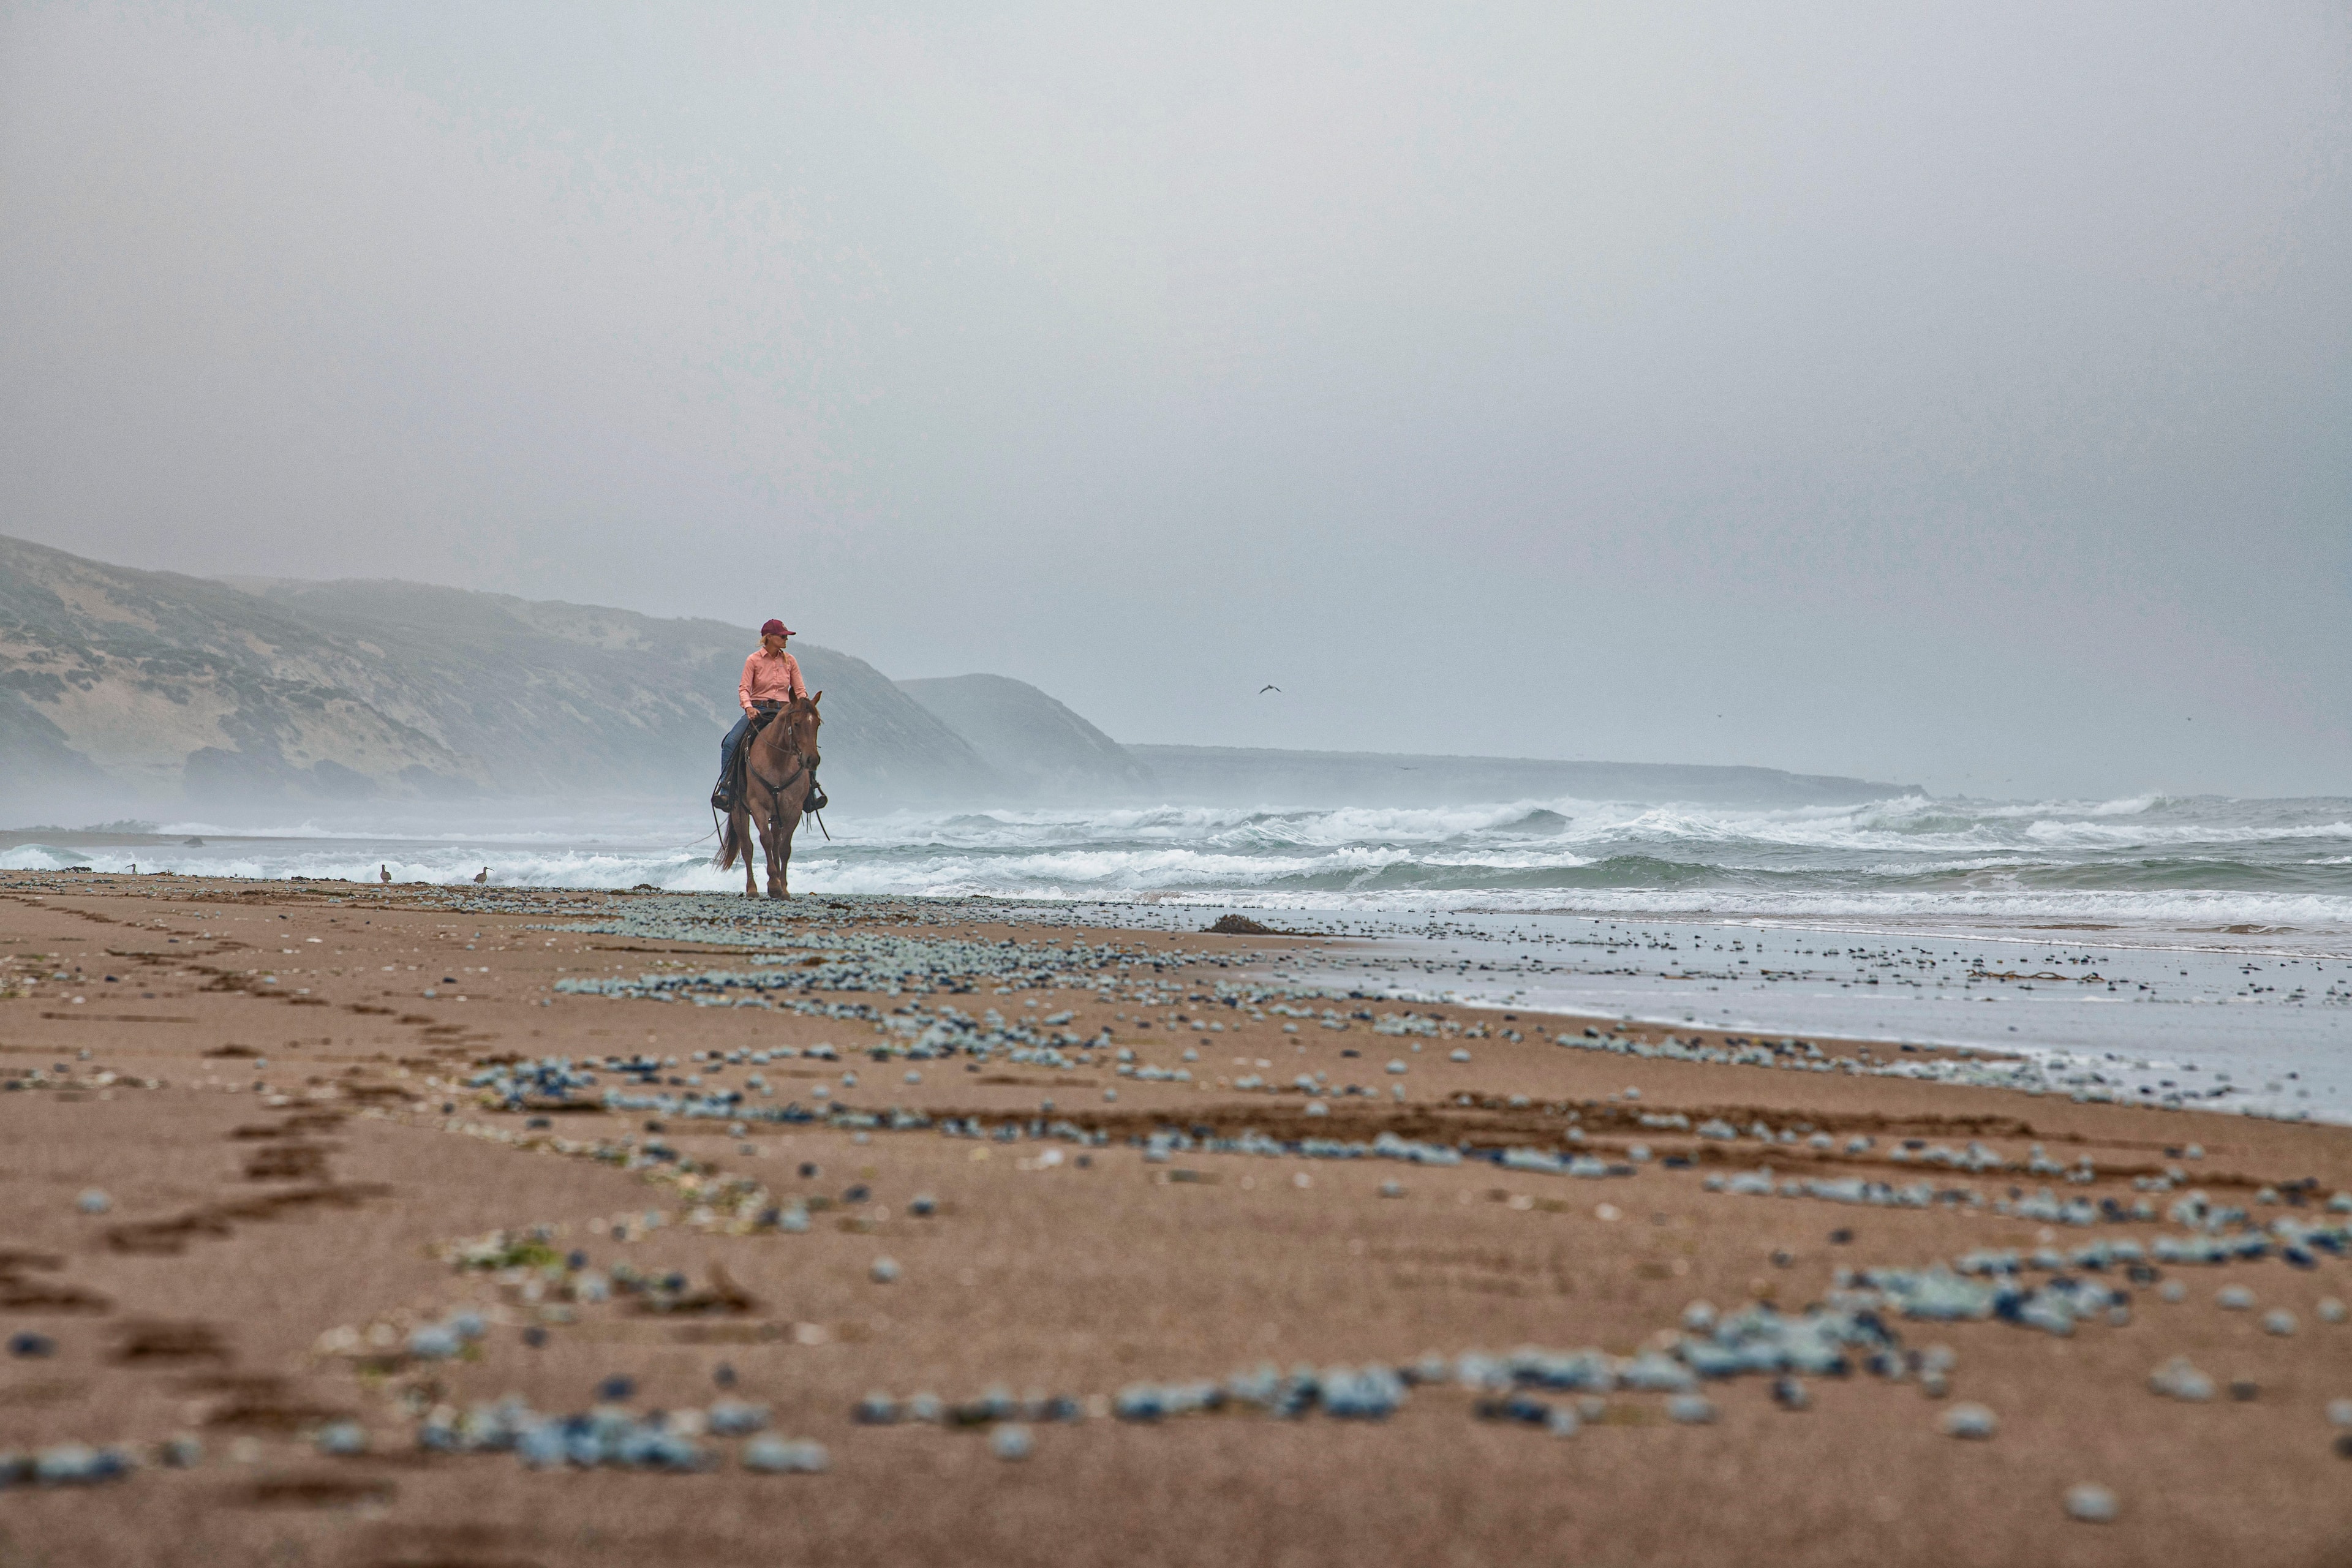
x=292, y=1214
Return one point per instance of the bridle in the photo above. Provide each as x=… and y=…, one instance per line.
x=775, y=787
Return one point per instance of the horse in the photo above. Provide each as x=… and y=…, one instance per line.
x=779, y=765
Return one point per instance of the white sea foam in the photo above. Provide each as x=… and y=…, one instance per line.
x=2148, y=860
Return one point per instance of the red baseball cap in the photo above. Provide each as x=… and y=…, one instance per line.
x=775, y=629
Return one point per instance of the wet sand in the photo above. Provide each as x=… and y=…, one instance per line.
x=272, y=1105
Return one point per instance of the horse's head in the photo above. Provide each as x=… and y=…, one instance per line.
x=799, y=723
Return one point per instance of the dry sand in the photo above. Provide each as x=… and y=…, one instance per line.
x=255, y=1208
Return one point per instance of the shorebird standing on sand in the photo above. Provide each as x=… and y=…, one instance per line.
x=383, y=874
x=481, y=876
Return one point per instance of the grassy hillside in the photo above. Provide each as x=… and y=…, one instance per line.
x=150, y=685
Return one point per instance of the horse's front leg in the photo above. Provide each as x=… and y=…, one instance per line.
x=780, y=858
x=779, y=846
x=739, y=820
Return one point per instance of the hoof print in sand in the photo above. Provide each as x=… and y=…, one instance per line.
x=151, y=1341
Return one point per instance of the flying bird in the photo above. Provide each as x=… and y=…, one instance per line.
x=1263, y=689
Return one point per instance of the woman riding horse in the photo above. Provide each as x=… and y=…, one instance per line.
x=776, y=781
x=771, y=678
x=778, y=785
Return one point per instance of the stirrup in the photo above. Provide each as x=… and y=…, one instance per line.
x=815, y=801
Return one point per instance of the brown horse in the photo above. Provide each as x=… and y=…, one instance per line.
x=778, y=766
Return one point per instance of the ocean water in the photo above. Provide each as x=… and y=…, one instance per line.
x=2221, y=930
x=2199, y=863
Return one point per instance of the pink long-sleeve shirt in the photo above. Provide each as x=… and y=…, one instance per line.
x=769, y=678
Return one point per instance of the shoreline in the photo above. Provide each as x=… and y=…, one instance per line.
x=310, y=1188
x=2119, y=1052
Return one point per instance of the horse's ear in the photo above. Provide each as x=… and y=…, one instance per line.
x=815, y=698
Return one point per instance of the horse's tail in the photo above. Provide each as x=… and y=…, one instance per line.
x=730, y=844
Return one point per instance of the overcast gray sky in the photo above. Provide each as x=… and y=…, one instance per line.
x=1953, y=395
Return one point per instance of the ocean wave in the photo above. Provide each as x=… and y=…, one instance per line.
x=1888, y=831
x=2127, y=805
x=2149, y=835
x=40, y=858
x=2148, y=858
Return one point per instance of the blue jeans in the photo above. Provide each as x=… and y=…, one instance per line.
x=734, y=737
x=727, y=747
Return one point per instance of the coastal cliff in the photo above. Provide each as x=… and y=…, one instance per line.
x=123, y=689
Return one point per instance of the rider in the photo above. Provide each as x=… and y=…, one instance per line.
x=770, y=679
